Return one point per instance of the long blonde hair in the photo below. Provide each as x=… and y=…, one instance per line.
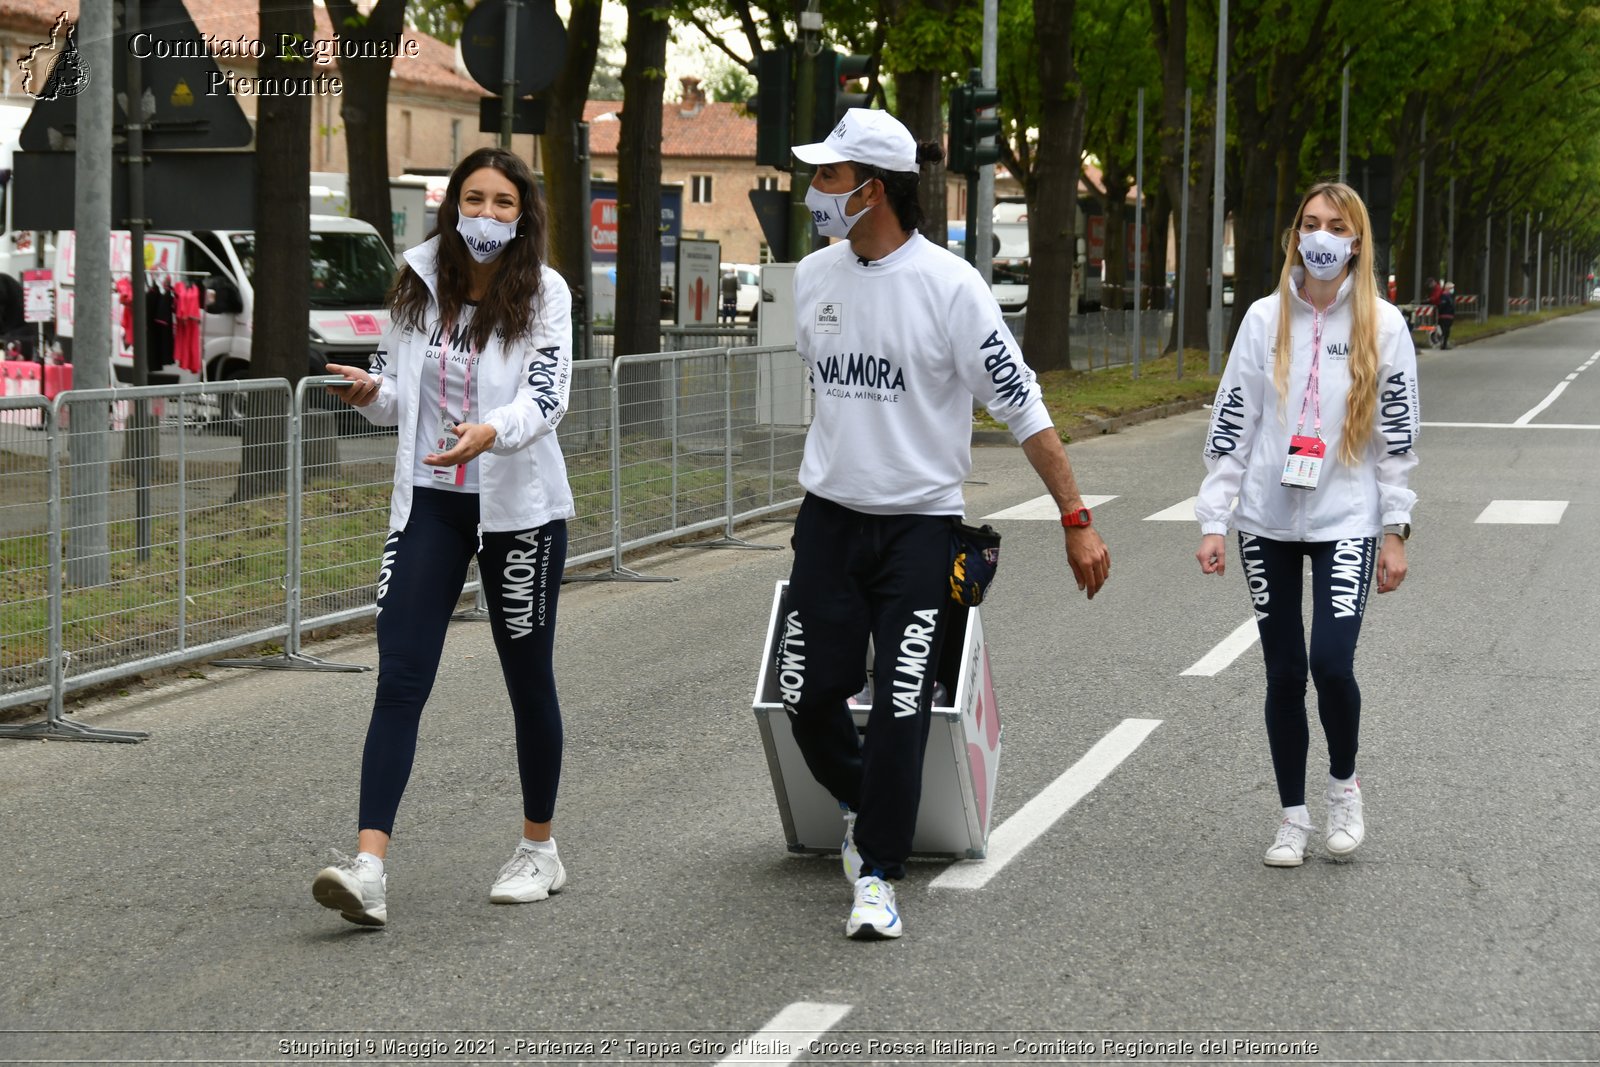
x=1362, y=403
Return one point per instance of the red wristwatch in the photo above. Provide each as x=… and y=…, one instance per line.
x=1079, y=517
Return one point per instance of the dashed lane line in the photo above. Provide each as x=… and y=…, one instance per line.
x=1512, y=425
x=1533, y=412
x=1182, y=512
x=1523, y=512
x=785, y=1037
x=1043, y=507
x=1007, y=840
x=1227, y=650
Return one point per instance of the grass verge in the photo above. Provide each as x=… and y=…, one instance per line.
x=1080, y=400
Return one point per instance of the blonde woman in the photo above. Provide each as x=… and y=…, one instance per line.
x=1314, y=431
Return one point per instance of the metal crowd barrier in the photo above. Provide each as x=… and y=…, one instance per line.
x=678, y=338
x=1105, y=338
x=138, y=531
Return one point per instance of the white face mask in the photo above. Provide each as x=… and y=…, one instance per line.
x=486, y=236
x=827, y=210
x=1324, y=254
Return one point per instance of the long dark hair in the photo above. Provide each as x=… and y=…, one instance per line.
x=507, y=306
x=901, y=187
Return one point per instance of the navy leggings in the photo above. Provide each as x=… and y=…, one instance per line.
x=857, y=576
x=424, y=567
x=1341, y=575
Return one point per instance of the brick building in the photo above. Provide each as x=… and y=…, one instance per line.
x=711, y=149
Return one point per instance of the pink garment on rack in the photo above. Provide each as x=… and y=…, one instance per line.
x=125, y=294
x=186, y=343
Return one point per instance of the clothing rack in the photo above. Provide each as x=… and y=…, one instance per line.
x=163, y=270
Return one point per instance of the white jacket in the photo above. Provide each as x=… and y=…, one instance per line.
x=897, y=350
x=522, y=479
x=1248, y=439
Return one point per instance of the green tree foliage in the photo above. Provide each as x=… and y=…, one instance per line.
x=438, y=18
x=729, y=83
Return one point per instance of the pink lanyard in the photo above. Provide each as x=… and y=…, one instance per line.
x=466, y=388
x=1313, y=397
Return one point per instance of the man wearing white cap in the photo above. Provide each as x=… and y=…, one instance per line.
x=900, y=336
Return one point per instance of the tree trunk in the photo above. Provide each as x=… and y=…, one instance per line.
x=565, y=100
x=1171, y=25
x=365, y=108
x=922, y=110
x=1157, y=216
x=1053, y=215
x=282, y=253
x=1114, y=203
x=639, y=211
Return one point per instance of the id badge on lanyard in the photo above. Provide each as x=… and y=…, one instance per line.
x=456, y=475
x=1303, y=466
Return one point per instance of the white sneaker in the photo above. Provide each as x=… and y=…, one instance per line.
x=353, y=889
x=874, y=916
x=1346, y=827
x=847, y=851
x=1289, y=847
x=528, y=876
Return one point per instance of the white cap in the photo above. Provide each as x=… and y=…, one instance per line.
x=875, y=138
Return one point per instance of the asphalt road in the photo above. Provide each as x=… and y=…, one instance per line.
x=157, y=904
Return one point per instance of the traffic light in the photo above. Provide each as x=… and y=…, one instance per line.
x=968, y=129
x=771, y=106
x=837, y=91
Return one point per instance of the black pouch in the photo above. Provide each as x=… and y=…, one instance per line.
x=974, y=557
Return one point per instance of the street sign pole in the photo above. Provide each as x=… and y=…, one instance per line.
x=141, y=441
x=587, y=243
x=508, y=92
x=88, y=559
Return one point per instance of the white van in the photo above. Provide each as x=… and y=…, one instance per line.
x=351, y=269
x=20, y=250
x=1009, y=280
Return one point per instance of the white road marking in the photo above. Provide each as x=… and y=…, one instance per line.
x=1513, y=425
x=1227, y=650
x=1043, y=507
x=1007, y=840
x=1527, y=416
x=1183, y=512
x=790, y=1031
x=1523, y=512
x=1533, y=412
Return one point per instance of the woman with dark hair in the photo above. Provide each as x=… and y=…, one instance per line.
x=1313, y=431
x=474, y=371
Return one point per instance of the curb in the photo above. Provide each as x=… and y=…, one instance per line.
x=1094, y=424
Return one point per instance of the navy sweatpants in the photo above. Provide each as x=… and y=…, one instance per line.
x=424, y=567
x=857, y=576
x=1341, y=575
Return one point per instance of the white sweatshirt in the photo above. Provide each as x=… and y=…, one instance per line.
x=1248, y=440
x=897, y=350
x=522, y=393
